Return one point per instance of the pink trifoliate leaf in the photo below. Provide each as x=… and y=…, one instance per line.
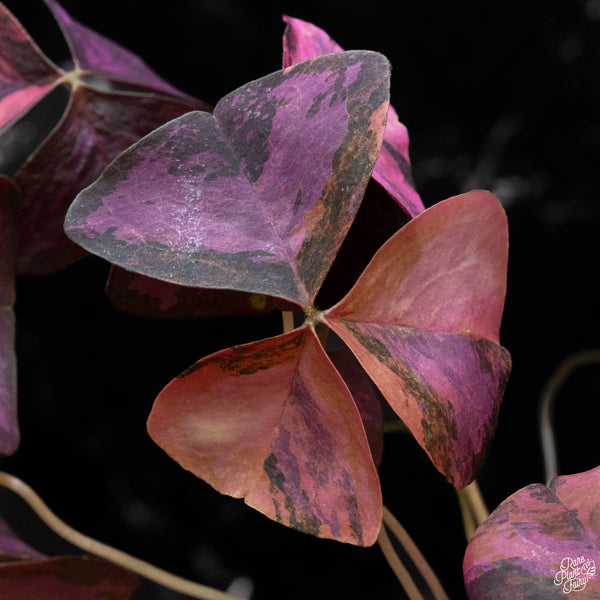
x=541, y=542
x=423, y=320
x=26, y=75
x=303, y=40
x=103, y=58
x=9, y=430
x=272, y=422
x=257, y=196
x=94, y=129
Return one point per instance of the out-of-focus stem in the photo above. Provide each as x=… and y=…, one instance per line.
x=88, y=544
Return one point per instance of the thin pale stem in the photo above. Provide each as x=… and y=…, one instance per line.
x=473, y=508
x=397, y=566
x=415, y=555
x=468, y=520
x=92, y=546
x=287, y=317
x=548, y=398
x=476, y=502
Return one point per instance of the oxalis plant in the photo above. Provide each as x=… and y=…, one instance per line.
x=292, y=194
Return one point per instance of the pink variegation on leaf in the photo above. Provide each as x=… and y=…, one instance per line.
x=541, y=542
x=285, y=161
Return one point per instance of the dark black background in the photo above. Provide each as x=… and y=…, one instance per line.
x=503, y=96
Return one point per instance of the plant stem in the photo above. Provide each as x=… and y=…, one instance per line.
x=399, y=569
x=473, y=509
x=413, y=552
x=547, y=400
x=468, y=519
x=92, y=546
x=288, y=320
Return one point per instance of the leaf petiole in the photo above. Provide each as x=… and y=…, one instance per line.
x=92, y=546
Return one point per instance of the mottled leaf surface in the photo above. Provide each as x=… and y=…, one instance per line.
x=303, y=40
x=257, y=196
x=541, y=542
x=9, y=430
x=272, y=422
x=26, y=75
x=423, y=320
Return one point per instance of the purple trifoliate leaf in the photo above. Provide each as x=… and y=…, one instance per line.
x=257, y=196
x=26, y=573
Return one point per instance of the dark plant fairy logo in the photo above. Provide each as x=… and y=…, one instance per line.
x=574, y=573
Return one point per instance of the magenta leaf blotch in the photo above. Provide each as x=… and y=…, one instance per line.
x=541, y=542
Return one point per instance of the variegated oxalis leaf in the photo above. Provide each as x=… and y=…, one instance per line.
x=273, y=422
x=381, y=214
x=257, y=196
x=541, y=542
x=423, y=320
